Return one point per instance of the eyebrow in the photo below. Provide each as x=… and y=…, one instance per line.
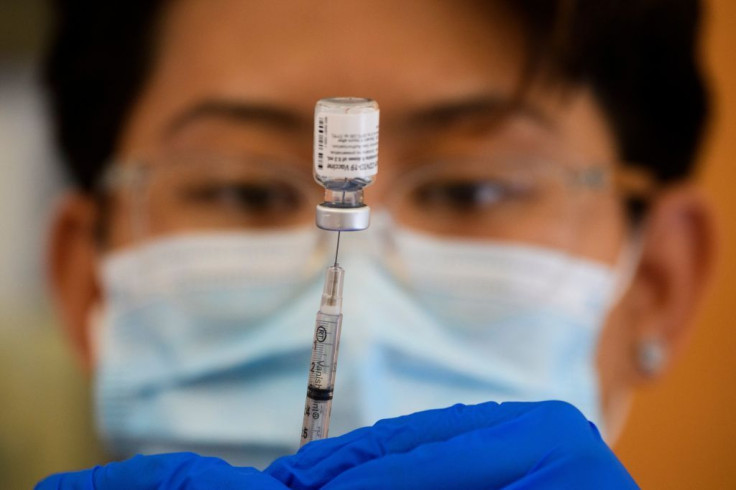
x=435, y=116
x=241, y=112
x=482, y=106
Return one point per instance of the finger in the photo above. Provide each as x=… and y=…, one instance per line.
x=552, y=441
x=591, y=469
x=320, y=461
x=171, y=471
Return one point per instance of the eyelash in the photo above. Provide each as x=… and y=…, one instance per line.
x=255, y=197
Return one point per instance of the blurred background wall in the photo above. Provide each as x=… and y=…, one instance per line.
x=45, y=422
x=682, y=432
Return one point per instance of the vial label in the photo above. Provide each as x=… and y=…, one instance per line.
x=346, y=145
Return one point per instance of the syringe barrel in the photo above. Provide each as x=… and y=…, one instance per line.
x=321, y=383
x=323, y=364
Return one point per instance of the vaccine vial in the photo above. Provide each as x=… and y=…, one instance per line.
x=345, y=160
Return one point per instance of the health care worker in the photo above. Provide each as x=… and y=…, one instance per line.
x=535, y=235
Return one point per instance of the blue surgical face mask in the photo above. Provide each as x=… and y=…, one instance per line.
x=204, y=340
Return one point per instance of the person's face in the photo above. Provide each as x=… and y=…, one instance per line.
x=441, y=74
x=241, y=78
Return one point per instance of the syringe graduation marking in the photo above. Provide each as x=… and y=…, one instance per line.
x=323, y=363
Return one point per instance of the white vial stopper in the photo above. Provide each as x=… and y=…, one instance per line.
x=345, y=160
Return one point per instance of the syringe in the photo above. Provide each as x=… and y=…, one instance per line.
x=323, y=365
x=345, y=162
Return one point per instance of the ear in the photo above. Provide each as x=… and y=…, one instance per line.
x=72, y=255
x=677, y=261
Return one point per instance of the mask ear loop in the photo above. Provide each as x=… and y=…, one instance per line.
x=116, y=177
x=627, y=263
x=638, y=184
x=131, y=179
x=650, y=352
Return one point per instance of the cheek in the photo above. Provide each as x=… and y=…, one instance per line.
x=614, y=349
x=616, y=371
x=122, y=221
x=600, y=212
x=602, y=227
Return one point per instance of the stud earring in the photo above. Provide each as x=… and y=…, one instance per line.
x=651, y=356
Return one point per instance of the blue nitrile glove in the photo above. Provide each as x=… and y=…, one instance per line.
x=176, y=471
x=512, y=445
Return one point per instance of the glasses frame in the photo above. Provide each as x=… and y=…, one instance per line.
x=634, y=182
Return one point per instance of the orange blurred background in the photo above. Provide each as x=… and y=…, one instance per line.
x=682, y=431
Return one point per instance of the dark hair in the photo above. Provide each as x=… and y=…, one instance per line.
x=639, y=57
x=99, y=57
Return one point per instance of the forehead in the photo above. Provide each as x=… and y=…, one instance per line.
x=415, y=57
x=269, y=46
x=404, y=54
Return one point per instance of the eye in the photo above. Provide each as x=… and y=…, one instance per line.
x=465, y=195
x=248, y=197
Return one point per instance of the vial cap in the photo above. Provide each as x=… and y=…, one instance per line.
x=343, y=219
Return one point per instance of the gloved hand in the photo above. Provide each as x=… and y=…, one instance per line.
x=511, y=445
x=176, y=471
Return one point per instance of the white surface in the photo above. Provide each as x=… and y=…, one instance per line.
x=29, y=185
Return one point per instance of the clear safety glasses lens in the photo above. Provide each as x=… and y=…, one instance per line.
x=200, y=193
x=512, y=198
